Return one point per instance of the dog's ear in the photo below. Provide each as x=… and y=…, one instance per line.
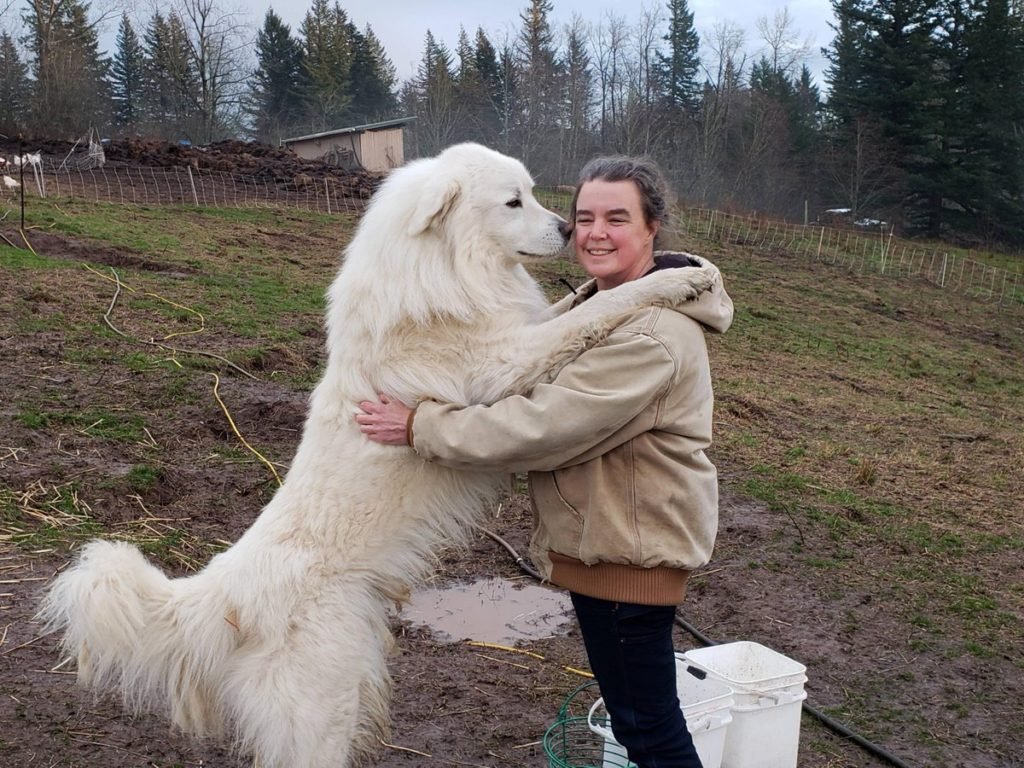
x=436, y=201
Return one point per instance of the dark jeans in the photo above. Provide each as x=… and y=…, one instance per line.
x=631, y=654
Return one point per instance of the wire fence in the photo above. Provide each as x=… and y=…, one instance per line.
x=182, y=185
x=879, y=252
x=863, y=252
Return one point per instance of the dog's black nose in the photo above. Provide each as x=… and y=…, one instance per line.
x=565, y=229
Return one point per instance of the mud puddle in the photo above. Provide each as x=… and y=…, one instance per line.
x=491, y=610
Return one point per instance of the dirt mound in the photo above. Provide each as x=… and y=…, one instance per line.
x=242, y=158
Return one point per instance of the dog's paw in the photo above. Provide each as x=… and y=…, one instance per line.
x=677, y=286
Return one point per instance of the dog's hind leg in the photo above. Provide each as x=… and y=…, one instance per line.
x=318, y=699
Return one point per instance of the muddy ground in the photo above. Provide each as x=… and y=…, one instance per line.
x=454, y=703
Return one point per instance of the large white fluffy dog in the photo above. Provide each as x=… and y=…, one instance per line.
x=279, y=645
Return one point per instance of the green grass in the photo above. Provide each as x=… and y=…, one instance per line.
x=94, y=422
x=141, y=478
x=22, y=258
x=146, y=230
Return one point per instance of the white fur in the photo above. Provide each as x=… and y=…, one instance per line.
x=280, y=643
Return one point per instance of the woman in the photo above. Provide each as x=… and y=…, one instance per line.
x=625, y=500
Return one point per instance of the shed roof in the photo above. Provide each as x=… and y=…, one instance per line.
x=352, y=129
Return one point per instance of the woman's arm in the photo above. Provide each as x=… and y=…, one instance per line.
x=593, y=397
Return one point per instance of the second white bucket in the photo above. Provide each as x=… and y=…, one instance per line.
x=768, y=690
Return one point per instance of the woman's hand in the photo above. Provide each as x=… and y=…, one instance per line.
x=385, y=421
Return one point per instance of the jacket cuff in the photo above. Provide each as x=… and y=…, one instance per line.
x=408, y=427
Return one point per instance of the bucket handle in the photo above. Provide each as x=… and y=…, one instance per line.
x=703, y=723
x=601, y=730
x=778, y=698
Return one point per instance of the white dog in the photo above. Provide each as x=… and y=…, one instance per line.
x=280, y=643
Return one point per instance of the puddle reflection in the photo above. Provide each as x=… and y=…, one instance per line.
x=491, y=610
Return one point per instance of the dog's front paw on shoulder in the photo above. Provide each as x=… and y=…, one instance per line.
x=690, y=282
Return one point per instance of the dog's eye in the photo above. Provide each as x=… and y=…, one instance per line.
x=517, y=203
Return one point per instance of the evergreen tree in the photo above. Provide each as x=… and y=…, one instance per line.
x=984, y=108
x=171, y=82
x=470, y=92
x=678, y=69
x=127, y=76
x=15, y=88
x=330, y=42
x=845, y=56
x=806, y=114
x=770, y=82
x=157, y=92
x=901, y=89
x=540, y=86
x=278, y=99
x=466, y=70
x=372, y=78
x=432, y=95
x=71, y=93
x=887, y=89
x=485, y=61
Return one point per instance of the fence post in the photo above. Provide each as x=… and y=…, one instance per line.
x=821, y=237
x=327, y=193
x=195, y=197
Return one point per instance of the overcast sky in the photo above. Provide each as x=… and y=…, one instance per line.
x=402, y=24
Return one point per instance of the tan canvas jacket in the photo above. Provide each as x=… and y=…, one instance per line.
x=625, y=500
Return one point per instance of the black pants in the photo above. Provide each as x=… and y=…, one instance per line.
x=630, y=651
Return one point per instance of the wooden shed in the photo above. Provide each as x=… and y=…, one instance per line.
x=371, y=147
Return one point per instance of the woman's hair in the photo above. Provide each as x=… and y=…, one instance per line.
x=642, y=171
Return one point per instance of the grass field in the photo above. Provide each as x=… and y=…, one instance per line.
x=869, y=437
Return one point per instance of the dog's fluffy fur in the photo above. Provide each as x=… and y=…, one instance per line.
x=279, y=645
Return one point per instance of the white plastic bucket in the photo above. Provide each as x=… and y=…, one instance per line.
x=706, y=705
x=767, y=689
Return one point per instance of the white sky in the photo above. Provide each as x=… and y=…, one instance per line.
x=402, y=24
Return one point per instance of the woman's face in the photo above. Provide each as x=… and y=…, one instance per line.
x=614, y=242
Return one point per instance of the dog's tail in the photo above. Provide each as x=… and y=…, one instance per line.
x=161, y=643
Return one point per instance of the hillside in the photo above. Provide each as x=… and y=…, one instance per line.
x=869, y=438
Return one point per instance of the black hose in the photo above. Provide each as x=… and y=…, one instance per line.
x=826, y=720
x=520, y=560
x=842, y=730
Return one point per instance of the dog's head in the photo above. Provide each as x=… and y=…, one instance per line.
x=476, y=198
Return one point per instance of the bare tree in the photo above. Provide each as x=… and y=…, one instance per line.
x=724, y=67
x=761, y=178
x=579, y=94
x=608, y=41
x=728, y=60
x=860, y=167
x=220, y=46
x=639, y=129
x=5, y=9
x=785, y=52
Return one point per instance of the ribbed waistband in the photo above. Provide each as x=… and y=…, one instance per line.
x=621, y=583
